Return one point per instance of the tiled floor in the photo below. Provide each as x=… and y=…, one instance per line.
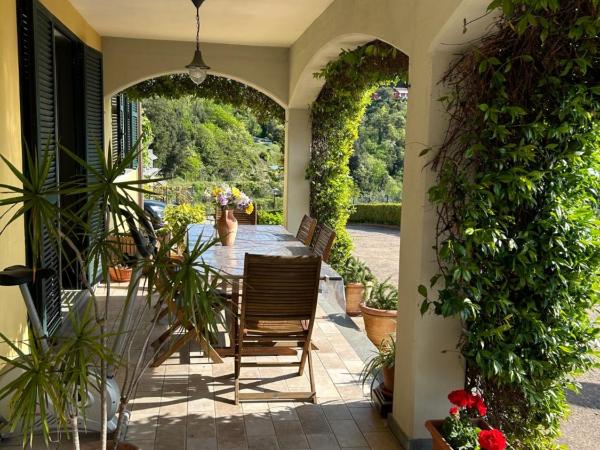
x=187, y=403
x=191, y=406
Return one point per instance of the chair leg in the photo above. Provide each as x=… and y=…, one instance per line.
x=311, y=377
x=305, y=353
x=237, y=368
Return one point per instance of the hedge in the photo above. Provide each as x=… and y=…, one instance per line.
x=270, y=217
x=378, y=213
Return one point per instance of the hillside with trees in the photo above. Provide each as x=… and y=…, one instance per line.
x=377, y=165
x=200, y=143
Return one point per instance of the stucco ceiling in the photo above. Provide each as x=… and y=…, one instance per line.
x=250, y=22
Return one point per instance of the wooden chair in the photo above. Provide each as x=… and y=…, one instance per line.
x=241, y=216
x=322, y=244
x=306, y=231
x=279, y=303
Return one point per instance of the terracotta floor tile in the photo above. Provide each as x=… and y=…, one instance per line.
x=290, y=435
x=382, y=440
x=347, y=433
x=322, y=441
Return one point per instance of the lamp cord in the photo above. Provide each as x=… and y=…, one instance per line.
x=198, y=28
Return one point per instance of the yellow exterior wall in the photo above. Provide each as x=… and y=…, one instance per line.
x=13, y=320
x=70, y=17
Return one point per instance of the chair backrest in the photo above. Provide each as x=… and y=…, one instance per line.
x=280, y=288
x=307, y=229
x=241, y=216
x=322, y=244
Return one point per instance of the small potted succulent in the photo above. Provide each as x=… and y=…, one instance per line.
x=465, y=427
x=383, y=362
x=379, y=312
x=357, y=276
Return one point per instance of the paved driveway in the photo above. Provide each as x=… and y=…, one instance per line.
x=379, y=247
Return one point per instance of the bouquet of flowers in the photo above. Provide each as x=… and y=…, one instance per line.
x=460, y=431
x=226, y=197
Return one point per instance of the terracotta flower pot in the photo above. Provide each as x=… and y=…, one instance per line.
x=379, y=323
x=355, y=294
x=120, y=274
x=227, y=226
x=439, y=443
x=388, y=379
x=96, y=446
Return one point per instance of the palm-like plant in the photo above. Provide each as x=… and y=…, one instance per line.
x=55, y=380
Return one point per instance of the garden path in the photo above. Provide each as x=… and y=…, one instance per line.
x=379, y=247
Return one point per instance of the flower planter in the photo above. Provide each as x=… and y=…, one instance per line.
x=120, y=274
x=355, y=295
x=227, y=226
x=379, y=323
x=439, y=443
x=388, y=379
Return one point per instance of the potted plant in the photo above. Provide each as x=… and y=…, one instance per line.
x=356, y=278
x=383, y=361
x=465, y=427
x=227, y=199
x=68, y=383
x=379, y=312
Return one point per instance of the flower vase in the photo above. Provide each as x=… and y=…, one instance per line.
x=227, y=226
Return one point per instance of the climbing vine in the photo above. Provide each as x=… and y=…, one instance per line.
x=219, y=89
x=517, y=196
x=350, y=80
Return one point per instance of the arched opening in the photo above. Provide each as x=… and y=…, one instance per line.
x=222, y=132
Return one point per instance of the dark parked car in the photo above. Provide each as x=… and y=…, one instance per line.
x=156, y=212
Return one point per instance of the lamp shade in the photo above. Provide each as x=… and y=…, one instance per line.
x=197, y=69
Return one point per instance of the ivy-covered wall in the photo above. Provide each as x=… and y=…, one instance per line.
x=517, y=197
x=336, y=114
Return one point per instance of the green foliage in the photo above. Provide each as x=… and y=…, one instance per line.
x=517, y=197
x=378, y=213
x=385, y=357
x=201, y=143
x=219, y=89
x=459, y=432
x=350, y=80
x=383, y=295
x=270, y=217
x=377, y=164
x=179, y=217
x=356, y=271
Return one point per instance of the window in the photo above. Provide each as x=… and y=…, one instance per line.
x=61, y=100
x=126, y=125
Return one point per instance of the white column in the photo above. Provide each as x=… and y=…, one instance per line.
x=296, y=188
x=428, y=366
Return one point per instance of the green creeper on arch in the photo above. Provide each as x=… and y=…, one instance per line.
x=350, y=80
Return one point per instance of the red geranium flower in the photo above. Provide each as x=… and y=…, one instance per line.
x=492, y=440
x=481, y=408
x=464, y=399
x=459, y=398
x=454, y=410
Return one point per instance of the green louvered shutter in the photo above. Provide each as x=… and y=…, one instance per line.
x=94, y=133
x=36, y=67
x=135, y=130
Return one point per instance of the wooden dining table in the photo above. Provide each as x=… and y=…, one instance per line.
x=229, y=261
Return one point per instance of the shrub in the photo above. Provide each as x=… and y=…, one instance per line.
x=377, y=213
x=356, y=271
x=179, y=217
x=384, y=296
x=270, y=217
